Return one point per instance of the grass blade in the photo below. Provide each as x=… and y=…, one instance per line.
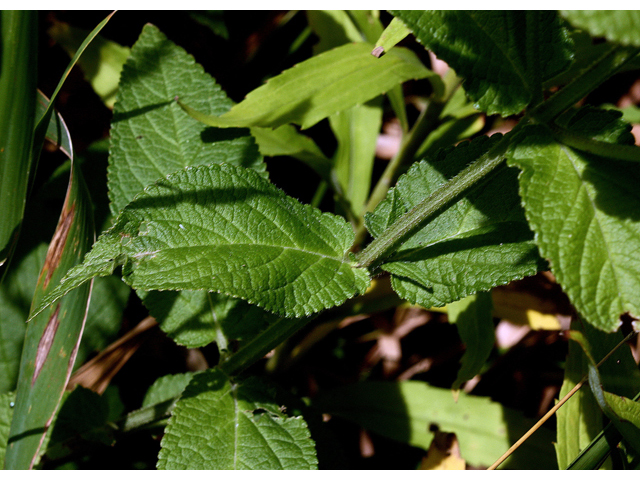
x=19, y=41
x=52, y=337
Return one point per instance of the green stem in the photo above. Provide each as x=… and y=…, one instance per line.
x=425, y=123
x=469, y=178
x=630, y=153
x=608, y=64
x=592, y=76
x=266, y=341
x=533, y=56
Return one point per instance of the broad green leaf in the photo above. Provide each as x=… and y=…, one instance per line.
x=323, y=85
x=167, y=387
x=223, y=228
x=19, y=44
x=151, y=138
x=480, y=242
x=516, y=48
x=404, y=411
x=52, y=337
x=220, y=424
x=621, y=26
x=583, y=210
x=395, y=32
x=151, y=135
x=101, y=63
x=7, y=402
x=472, y=315
x=356, y=131
x=198, y=318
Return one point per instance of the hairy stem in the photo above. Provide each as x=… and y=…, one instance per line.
x=592, y=76
x=266, y=341
x=461, y=184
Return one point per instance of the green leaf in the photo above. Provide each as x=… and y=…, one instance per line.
x=404, y=411
x=223, y=228
x=333, y=28
x=167, y=387
x=579, y=420
x=286, y=140
x=220, y=424
x=356, y=131
x=343, y=77
x=151, y=136
x=368, y=22
x=57, y=130
x=504, y=81
x=101, y=62
x=621, y=26
x=583, y=210
x=480, y=242
x=19, y=44
x=53, y=335
x=7, y=402
x=81, y=422
x=15, y=298
x=395, y=32
x=472, y=315
x=196, y=318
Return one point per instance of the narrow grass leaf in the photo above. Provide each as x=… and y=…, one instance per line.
x=7, y=402
x=19, y=42
x=101, y=63
x=395, y=32
x=167, y=387
x=286, y=140
x=405, y=411
x=223, y=228
x=223, y=424
x=343, y=77
x=52, y=336
x=356, y=131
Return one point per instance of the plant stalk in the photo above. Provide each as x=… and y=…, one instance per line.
x=469, y=178
x=266, y=341
x=592, y=76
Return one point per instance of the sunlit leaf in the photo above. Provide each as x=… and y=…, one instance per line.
x=583, y=210
x=343, y=77
x=622, y=26
x=480, y=242
x=226, y=229
x=221, y=424
x=405, y=411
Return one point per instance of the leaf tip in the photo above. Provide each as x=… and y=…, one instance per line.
x=378, y=51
